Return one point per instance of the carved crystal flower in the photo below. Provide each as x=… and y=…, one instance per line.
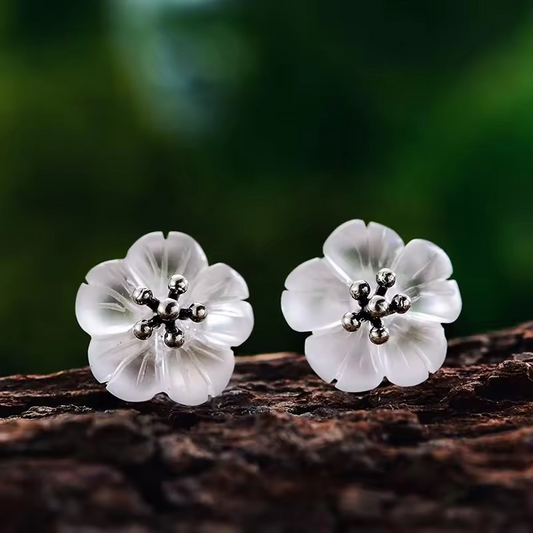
x=162, y=320
x=374, y=307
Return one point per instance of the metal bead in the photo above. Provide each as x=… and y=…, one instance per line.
x=141, y=295
x=378, y=307
x=198, y=312
x=379, y=335
x=142, y=330
x=168, y=309
x=360, y=290
x=174, y=339
x=178, y=283
x=350, y=322
x=401, y=303
x=386, y=278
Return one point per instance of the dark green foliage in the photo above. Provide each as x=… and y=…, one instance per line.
x=261, y=126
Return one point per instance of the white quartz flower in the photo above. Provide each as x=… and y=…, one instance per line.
x=360, y=333
x=162, y=320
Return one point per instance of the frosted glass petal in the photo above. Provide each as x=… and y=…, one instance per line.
x=316, y=274
x=349, y=358
x=421, y=262
x=315, y=298
x=358, y=252
x=104, y=306
x=415, y=348
x=227, y=323
x=127, y=365
x=196, y=372
x=309, y=311
x=217, y=283
x=153, y=259
x=384, y=245
x=439, y=301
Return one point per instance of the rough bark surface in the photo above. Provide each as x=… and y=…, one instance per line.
x=279, y=451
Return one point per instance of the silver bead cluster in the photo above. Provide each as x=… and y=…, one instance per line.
x=375, y=307
x=167, y=312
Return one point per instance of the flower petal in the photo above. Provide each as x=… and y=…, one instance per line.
x=153, y=259
x=349, y=358
x=415, y=348
x=439, y=301
x=227, y=323
x=358, y=252
x=384, y=245
x=217, y=283
x=104, y=306
x=196, y=372
x=421, y=262
x=229, y=320
x=315, y=298
x=127, y=364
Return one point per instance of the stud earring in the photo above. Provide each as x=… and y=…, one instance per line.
x=374, y=307
x=162, y=320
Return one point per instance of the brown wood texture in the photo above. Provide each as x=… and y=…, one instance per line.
x=279, y=451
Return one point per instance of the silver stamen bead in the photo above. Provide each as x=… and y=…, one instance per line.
x=401, y=303
x=379, y=335
x=386, y=278
x=377, y=307
x=168, y=309
x=174, y=339
x=350, y=322
x=142, y=330
x=360, y=290
x=142, y=295
x=198, y=312
x=178, y=283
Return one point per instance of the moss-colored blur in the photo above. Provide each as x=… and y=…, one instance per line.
x=258, y=127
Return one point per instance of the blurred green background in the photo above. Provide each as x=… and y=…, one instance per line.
x=258, y=127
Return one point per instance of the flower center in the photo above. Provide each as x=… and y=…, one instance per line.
x=374, y=307
x=167, y=312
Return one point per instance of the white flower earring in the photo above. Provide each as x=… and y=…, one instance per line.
x=162, y=320
x=359, y=334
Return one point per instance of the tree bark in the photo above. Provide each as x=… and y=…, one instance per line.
x=279, y=451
